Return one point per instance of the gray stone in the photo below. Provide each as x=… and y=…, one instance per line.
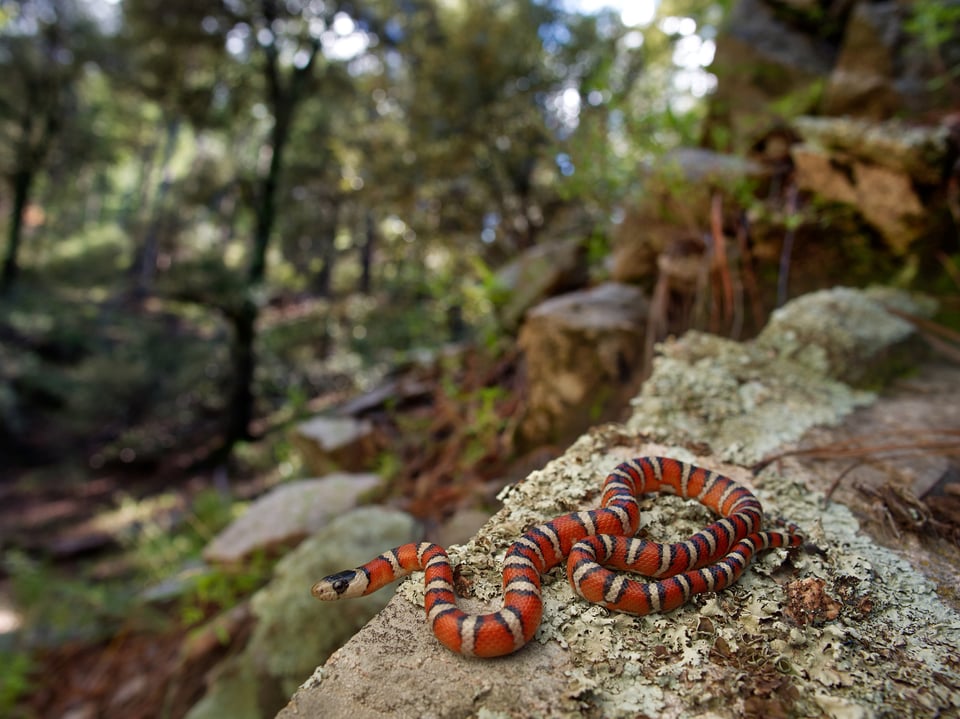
x=745, y=399
x=540, y=272
x=874, y=168
x=919, y=152
x=287, y=514
x=294, y=631
x=328, y=444
x=847, y=334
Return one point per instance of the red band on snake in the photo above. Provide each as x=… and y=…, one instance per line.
x=710, y=560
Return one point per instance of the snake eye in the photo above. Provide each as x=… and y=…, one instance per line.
x=341, y=582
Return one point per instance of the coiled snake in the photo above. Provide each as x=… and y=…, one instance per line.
x=710, y=560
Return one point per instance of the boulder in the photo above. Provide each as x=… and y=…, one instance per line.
x=287, y=514
x=881, y=59
x=544, y=270
x=329, y=444
x=848, y=335
x=886, y=68
x=862, y=82
x=922, y=153
x=768, y=66
x=745, y=399
x=875, y=168
x=582, y=354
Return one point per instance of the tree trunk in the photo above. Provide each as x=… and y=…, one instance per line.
x=322, y=279
x=366, y=253
x=244, y=365
x=22, y=182
x=245, y=320
x=283, y=101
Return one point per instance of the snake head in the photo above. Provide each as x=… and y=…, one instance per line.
x=335, y=586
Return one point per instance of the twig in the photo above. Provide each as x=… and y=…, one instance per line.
x=720, y=261
x=787, y=249
x=837, y=451
x=839, y=478
x=940, y=338
x=749, y=277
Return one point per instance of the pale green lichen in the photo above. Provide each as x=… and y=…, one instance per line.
x=844, y=334
x=746, y=399
x=900, y=658
x=736, y=398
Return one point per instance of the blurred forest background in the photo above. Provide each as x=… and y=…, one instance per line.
x=211, y=203
x=225, y=216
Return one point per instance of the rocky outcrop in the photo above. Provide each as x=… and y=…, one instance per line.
x=851, y=629
x=885, y=68
x=879, y=169
x=878, y=59
x=769, y=65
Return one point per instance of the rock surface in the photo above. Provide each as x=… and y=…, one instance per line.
x=542, y=271
x=773, y=57
x=582, y=352
x=875, y=168
x=328, y=444
x=883, y=69
x=287, y=514
x=850, y=631
x=863, y=81
x=768, y=65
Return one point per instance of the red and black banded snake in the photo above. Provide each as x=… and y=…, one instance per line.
x=710, y=560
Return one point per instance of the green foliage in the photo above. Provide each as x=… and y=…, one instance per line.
x=447, y=128
x=156, y=547
x=388, y=466
x=56, y=608
x=15, y=680
x=934, y=22
x=92, y=259
x=223, y=588
x=485, y=424
x=156, y=551
x=801, y=101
